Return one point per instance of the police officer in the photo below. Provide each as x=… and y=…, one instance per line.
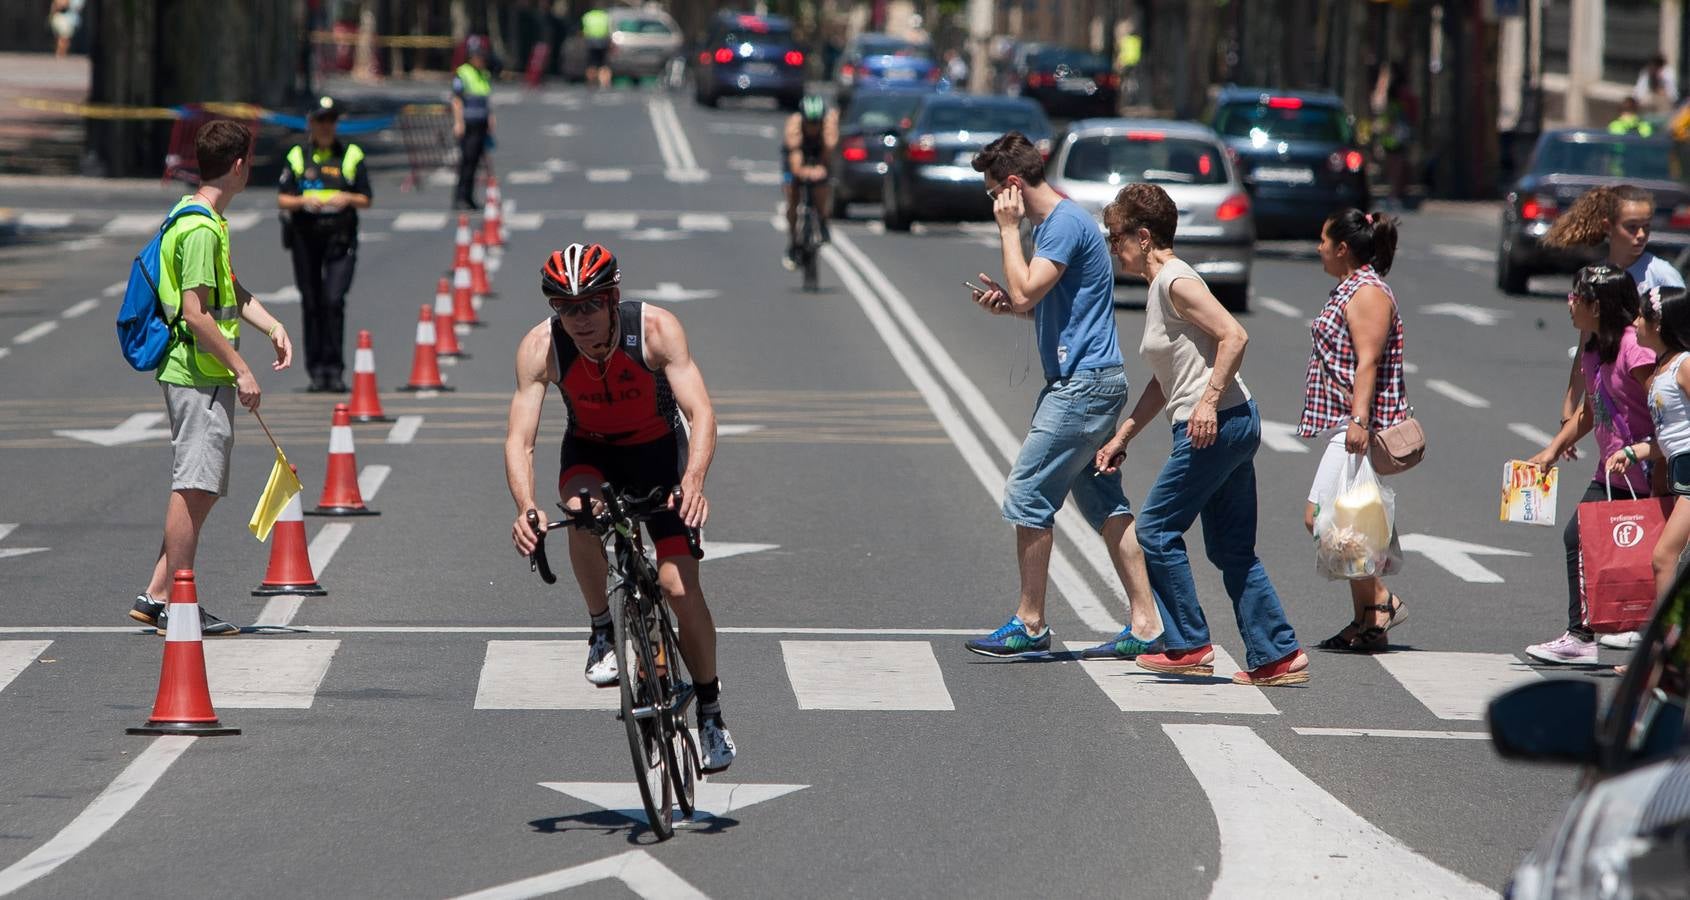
x=324, y=184
x=472, y=116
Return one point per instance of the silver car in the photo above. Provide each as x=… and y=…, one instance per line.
x=1187, y=160
x=642, y=42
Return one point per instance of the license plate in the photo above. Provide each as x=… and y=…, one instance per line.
x=899, y=75
x=1078, y=86
x=759, y=68
x=1285, y=175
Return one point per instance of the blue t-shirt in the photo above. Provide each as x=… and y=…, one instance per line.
x=1075, y=322
x=1651, y=271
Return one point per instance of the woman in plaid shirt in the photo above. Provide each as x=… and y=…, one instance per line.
x=1355, y=387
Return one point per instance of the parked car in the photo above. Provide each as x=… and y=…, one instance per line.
x=642, y=41
x=1189, y=161
x=1070, y=83
x=929, y=166
x=866, y=129
x=1626, y=832
x=1565, y=164
x=874, y=60
x=749, y=56
x=1010, y=77
x=1297, y=154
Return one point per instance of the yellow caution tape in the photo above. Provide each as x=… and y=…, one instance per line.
x=414, y=41
x=99, y=110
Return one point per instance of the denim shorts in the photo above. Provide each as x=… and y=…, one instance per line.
x=1072, y=419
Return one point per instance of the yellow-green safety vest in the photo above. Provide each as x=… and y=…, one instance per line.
x=184, y=363
x=328, y=174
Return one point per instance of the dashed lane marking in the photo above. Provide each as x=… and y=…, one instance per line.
x=1457, y=685
x=15, y=656
x=1459, y=395
x=608, y=176
x=539, y=675
x=267, y=675
x=46, y=220
x=404, y=429
x=524, y=221
x=529, y=177
x=131, y=223
x=371, y=479
x=1279, y=307
x=36, y=332
x=80, y=308
x=1531, y=433
x=420, y=221
x=1394, y=733
x=704, y=222
x=113, y=290
x=610, y=221
x=1137, y=690
x=874, y=675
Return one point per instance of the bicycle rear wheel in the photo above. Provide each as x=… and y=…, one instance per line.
x=647, y=738
x=812, y=247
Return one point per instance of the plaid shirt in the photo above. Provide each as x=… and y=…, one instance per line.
x=1332, y=364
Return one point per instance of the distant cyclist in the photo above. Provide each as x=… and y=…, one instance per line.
x=811, y=135
x=627, y=379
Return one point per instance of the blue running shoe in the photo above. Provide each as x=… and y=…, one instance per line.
x=1126, y=645
x=1012, y=640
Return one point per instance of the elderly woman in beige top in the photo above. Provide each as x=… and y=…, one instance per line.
x=1194, y=348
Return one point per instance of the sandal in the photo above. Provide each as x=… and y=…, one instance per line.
x=1372, y=638
x=1343, y=639
x=1397, y=610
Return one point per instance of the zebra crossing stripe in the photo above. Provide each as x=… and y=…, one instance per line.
x=15, y=656
x=539, y=675
x=1137, y=690
x=420, y=221
x=704, y=222
x=276, y=675
x=874, y=675
x=610, y=221
x=1457, y=685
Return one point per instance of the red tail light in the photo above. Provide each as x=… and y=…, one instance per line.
x=1538, y=209
x=1284, y=103
x=1351, y=160
x=847, y=72
x=1205, y=165
x=923, y=151
x=854, y=149
x=933, y=74
x=704, y=58
x=1040, y=79
x=1236, y=206
x=1680, y=218
x=794, y=58
x=1145, y=136
x=1108, y=80
x=724, y=55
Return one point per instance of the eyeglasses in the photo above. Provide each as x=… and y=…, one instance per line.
x=572, y=308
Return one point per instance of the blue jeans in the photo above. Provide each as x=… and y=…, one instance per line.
x=1073, y=417
x=1219, y=484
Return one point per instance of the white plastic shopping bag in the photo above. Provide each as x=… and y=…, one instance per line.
x=1355, y=527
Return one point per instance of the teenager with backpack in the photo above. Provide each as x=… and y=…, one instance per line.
x=202, y=372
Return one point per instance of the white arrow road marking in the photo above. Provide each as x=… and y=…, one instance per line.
x=36, y=332
x=638, y=871
x=731, y=430
x=724, y=549
x=1531, y=433
x=1456, y=557
x=1459, y=395
x=1283, y=438
x=601, y=176
x=1279, y=307
x=1478, y=315
x=15, y=656
x=714, y=800
x=672, y=292
x=1314, y=845
x=610, y=221
x=138, y=427
x=81, y=308
x=6, y=529
x=118, y=798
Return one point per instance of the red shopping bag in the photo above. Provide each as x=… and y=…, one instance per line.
x=1616, y=541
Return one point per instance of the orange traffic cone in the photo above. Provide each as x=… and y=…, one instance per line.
x=425, y=363
x=495, y=215
x=463, y=296
x=341, y=496
x=460, y=244
x=479, y=284
x=183, y=704
x=445, y=325
x=366, y=398
x=290, y=561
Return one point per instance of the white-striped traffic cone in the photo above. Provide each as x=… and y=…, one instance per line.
x=445, y=325
x=479, y=284
x=341, y=496
x=290, y=569
x=183, y=704
x=366, y=397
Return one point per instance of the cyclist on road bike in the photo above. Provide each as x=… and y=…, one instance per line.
x=627, y=379
x=808, y=143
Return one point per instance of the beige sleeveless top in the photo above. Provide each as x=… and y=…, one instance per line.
x=1181, y=355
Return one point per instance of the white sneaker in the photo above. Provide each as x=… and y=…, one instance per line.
x=1565, y=649
x=717, y=746
x=601, y=659
x=1624, y=640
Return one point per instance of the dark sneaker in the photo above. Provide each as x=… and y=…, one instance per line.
x=146, y=610
x=716, y=745
x=210, y=625
x=1011, y=641
x=601, y=659
x=1126, y=645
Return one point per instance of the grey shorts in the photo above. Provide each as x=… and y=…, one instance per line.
x=202, y=434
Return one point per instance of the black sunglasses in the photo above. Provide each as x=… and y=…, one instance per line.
x=573, y=307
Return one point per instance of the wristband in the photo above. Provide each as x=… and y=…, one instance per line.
x=271, y=334
x=1630, y=453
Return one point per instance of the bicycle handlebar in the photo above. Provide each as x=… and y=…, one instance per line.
x=619, y=509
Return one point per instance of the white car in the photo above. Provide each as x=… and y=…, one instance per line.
x=642, y=42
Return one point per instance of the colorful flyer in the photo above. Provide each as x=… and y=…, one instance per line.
x=1528, y=493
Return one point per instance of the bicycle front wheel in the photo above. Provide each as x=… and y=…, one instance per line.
x=642, y=691
x=812, y=248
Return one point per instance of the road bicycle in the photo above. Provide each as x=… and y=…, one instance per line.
x=809, y=234
x=655, y=696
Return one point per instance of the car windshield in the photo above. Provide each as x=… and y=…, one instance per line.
x=880, y=113
x=1288, y=120
x=992, y=119
x=1122, y=159
x=643, y=26
x=893, y=47
x=1616, y=159
x=1073, y=59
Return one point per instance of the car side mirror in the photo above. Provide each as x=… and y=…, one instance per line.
x=1549, y=722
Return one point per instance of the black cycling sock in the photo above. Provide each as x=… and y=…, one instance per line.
x=601, y=621
x=709, y=699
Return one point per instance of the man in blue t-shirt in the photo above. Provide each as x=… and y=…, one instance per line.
x=1068, y=290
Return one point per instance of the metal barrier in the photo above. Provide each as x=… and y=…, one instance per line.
x=180, y=161
x=426, y=130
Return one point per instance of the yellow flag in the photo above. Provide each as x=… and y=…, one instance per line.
x=284, y=484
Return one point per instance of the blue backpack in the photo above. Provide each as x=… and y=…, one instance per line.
x=142, y=331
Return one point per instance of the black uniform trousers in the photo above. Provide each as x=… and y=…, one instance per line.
x=470, y=150
x=322, y=268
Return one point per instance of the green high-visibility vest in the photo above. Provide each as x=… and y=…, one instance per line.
x=184, y=363
x=328, y=173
